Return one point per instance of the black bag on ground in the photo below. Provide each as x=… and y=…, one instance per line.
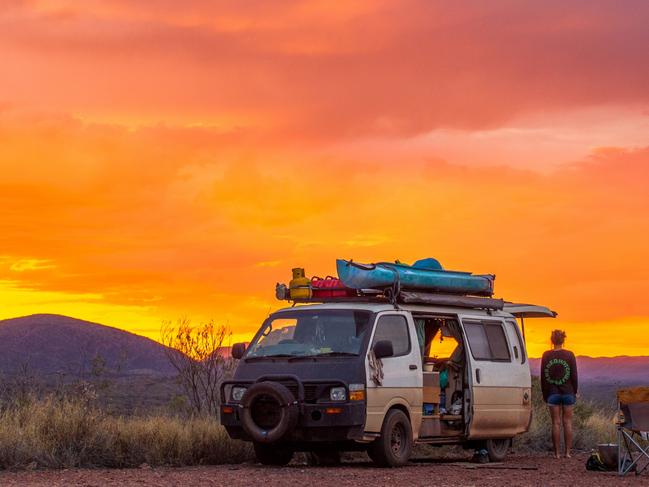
x=595, y=463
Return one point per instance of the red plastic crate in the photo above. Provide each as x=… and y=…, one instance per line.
x=329, y=287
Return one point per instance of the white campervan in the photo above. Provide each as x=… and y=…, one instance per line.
x=366, y=375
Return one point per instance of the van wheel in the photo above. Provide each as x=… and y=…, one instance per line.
x=497, y=449
x=273, y=454
x=323, y=458
x=393, y=447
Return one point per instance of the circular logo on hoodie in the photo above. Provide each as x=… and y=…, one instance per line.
x=557, y=371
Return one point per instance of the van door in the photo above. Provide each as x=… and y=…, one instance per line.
x=401, y=381
x=523, y=373
x=499, y=381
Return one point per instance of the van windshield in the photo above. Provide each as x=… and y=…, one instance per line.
x=311, y=333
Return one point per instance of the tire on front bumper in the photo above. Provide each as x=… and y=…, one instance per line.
x=313, y=423
x=281, y=405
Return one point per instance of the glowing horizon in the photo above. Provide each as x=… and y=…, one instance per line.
x=179, y=162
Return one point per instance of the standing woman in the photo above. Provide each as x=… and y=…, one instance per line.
x=559, y=385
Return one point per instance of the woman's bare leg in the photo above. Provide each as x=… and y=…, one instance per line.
x=555, y=414
x=567, y=428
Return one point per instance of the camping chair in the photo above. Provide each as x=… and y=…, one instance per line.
x=632, y=428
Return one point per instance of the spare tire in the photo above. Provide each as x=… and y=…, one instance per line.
x=269, y=412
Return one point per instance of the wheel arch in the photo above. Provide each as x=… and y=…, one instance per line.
x=404, y=407
x=401, y=407
x=375, y=419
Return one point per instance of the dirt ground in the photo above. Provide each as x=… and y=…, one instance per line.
x=515, y=471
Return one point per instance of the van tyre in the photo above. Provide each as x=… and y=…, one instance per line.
x=275, y=455
x=393, y=447
x=497, y=449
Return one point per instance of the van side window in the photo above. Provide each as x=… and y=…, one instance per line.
x=395, y=329
x=497, y=341
x=487, y=340
x=519, y=342
x=477, y=340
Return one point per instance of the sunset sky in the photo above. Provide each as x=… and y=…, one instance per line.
x=171, y=159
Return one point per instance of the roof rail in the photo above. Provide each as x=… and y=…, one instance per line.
x=450, y=300
x=411, y=297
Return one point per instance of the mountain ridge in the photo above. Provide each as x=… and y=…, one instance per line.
x=623, y=369
x=58, y=344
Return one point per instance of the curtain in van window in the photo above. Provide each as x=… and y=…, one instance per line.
x=420, y=328
x=453, y=327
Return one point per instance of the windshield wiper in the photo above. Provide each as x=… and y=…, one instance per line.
x=265, y=357
x=336, y=354
x=325, y=354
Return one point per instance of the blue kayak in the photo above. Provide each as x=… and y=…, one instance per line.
x=426, y=274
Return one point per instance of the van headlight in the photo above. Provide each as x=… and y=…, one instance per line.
x=237, y=393
x=337, y=394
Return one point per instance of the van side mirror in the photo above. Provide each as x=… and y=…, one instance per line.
x=238, y=349
x=383, y=349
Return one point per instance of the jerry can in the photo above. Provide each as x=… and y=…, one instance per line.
x=300, y=286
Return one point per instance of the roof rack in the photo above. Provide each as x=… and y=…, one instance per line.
x=412, y=297
x=450, y=300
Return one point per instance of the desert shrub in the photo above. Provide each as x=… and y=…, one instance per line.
x=64, y=432
x=196, y=352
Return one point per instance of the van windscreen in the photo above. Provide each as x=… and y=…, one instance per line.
x=304, y=333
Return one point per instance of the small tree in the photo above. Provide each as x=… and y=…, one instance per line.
x=197, y=354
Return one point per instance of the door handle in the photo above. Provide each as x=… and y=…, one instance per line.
x=477, y=375
x=412, y=367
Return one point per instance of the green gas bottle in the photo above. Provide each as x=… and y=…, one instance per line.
x=300, y=286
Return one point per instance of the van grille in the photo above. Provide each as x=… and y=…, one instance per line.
x=312, y=392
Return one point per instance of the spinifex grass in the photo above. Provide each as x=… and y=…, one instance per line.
x=67, y=432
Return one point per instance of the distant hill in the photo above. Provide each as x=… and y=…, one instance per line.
x=622, y=369
x=54, y=344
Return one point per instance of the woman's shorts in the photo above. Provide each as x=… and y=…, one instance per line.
x=561, y=399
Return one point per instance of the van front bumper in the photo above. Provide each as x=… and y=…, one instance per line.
x=343, y=421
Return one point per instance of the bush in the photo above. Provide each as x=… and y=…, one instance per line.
x=64, y=432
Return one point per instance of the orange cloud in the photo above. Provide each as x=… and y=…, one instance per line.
x=170, y=221
x=179, y=161
x=309, y=69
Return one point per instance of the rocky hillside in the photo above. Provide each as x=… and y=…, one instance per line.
x=54, y=344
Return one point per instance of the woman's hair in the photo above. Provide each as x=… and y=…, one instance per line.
x=558, y=337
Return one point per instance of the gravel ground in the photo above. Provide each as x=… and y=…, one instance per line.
x=516, y=470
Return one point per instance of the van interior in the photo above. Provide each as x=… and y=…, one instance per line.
x=444, y=377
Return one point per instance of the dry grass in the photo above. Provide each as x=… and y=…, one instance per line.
x=66, y=432
x=591, y=425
